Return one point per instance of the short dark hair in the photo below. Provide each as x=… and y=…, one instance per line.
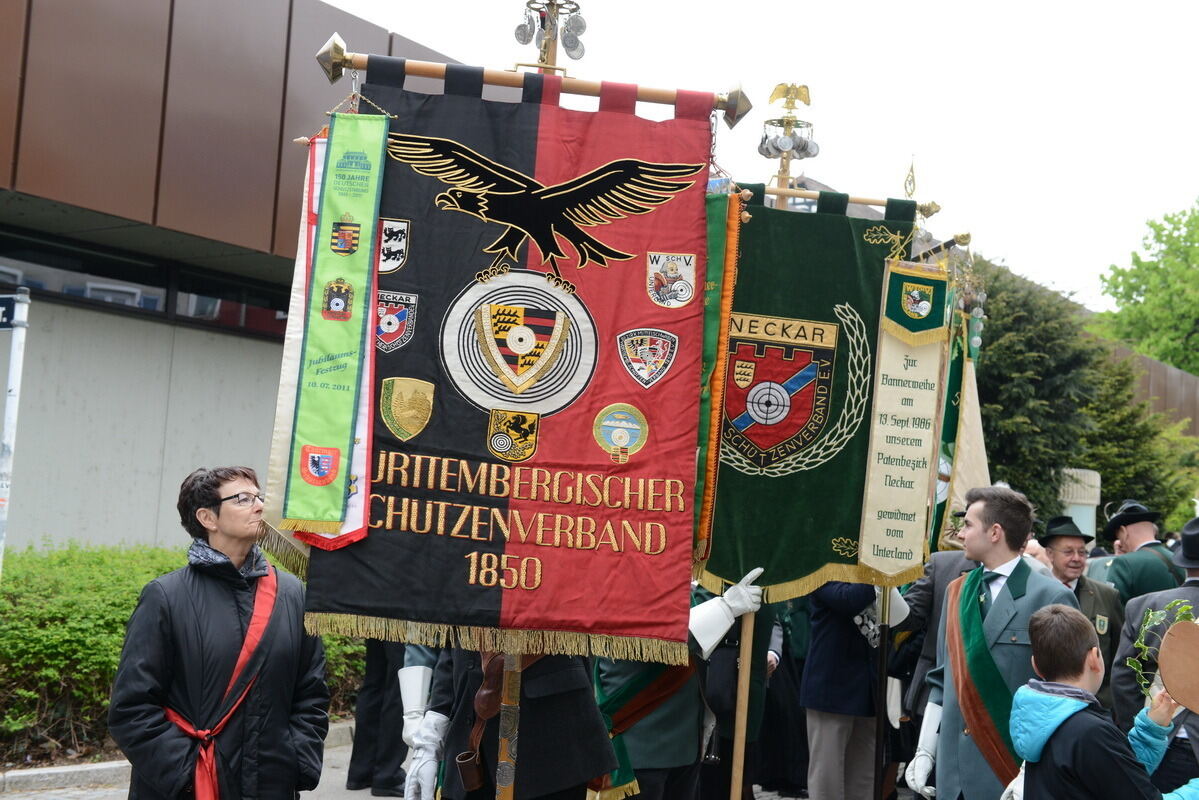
x=1061, y=638
x=199, y=490
x=1007, y=507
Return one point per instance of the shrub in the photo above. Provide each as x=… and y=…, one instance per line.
x=62, y=624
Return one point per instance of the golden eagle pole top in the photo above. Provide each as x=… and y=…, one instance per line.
x=334, y=60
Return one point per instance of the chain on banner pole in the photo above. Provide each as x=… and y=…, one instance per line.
x=744, y=667
x=505, y=765
x=16, y=362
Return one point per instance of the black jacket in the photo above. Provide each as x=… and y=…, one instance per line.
x=563, y=741
x=1088, y=758
x=180, y=648
x=926, y=599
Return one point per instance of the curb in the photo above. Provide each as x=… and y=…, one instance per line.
x=115, y=773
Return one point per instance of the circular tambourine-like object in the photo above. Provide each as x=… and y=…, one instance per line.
x=1176, y=660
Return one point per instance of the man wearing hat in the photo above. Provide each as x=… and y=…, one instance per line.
x=1181, y=762
x=1067, y=548
x=1145, y=566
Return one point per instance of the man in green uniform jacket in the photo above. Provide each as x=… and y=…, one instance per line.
x=1145, y=566
x=1066, y=546
x=663, y=746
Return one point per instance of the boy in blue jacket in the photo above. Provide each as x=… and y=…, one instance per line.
x=1070, y=745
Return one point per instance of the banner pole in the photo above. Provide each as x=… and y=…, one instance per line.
x=926, y=209
x=334, y=59
x=744, y=666
x=505, y=765
x=16, y=362
x=880, y=694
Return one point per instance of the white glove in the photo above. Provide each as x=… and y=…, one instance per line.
x=427, y=744
x=1015, y=789
x=414, y=693
x=711, y=619
x=743, y=597
x=921, y=765
x=899, y=608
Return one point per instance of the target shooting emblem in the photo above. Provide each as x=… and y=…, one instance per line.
x=406, y=405
x=917, y=300
x=521, y=343
x=670, y=278
x=647, y=353
x=515, y=343
x=393, y=244
x=396, y=324
x=339, y=300
x=779, y=385
x=318, y=465
x=621, y=430
x=512, y=435
x=343, y=240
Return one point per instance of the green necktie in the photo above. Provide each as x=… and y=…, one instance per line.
x=986, y=595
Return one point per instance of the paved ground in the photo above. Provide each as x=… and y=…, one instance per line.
x=332, y=787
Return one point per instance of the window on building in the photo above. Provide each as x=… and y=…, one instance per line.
x=140, y=286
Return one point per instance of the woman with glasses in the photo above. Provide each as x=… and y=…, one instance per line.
x=219, y=692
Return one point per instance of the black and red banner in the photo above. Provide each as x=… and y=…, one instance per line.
x=536, y=366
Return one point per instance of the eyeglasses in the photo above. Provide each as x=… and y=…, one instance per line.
x=244, y=499
x=1068, y=553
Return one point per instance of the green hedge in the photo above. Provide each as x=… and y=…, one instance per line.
x=62, y=623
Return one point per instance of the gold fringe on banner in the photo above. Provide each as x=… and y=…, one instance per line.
x=914, y=339
x=848, y=573
x=498, y=640
x=732, y=252
x=312, y=525
x=615, y=792
x=290, y=554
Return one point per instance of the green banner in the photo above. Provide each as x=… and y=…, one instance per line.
x=798, y=387
x=949, y=429
x=340, y=297
x=915, y=308
x=723, y=212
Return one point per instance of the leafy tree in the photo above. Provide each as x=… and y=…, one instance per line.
x=1157, y=297
x=1036, y=378
x=1136, y=452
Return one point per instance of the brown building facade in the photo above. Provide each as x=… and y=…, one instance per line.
x=149, y=198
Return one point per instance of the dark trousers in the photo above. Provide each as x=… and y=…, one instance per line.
x=1178, y=766
x=783, y=741
x=488, y=791
x=379, y=749
x=674, y=783
x=716, y=777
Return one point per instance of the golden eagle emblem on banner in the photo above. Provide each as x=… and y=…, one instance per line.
x=406, y=405
x=521, y=343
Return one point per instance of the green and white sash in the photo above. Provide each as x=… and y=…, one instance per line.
x=340, y=295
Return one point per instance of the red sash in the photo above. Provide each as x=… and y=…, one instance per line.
x=206, y=785
x=976, y=679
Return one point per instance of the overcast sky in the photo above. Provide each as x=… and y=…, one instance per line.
x=1051, y=131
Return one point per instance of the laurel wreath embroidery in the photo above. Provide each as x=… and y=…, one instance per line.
x=847, y=424
x=880, y=234
x=845, y=547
